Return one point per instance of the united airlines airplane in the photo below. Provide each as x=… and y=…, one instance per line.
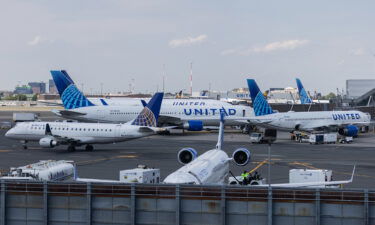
x=212, y=167
x=345, y=122
x=190, y=114
x=51, y=134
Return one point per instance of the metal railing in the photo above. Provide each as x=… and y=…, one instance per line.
x=211, y=203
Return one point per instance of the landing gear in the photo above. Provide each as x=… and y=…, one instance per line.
x=71, y=148
x=89, y=148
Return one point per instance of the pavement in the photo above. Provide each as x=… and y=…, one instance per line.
x=160, y=151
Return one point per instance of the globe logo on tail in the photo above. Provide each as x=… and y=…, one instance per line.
x=72, y=98
x=145, y=118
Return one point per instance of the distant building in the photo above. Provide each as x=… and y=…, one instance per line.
x=38, y=87
x=357, y=87
x=52, y=87
x=24, y=89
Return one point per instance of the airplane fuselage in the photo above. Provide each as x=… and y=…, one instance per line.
x=177, y=111
x=212, y=167
x=310, y=121
x=81, y=133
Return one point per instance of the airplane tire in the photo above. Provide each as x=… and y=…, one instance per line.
x=71, y=148
x=89, y=148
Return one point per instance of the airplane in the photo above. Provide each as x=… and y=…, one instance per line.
x=74, y=134
x=210, y=168
x=189, y=114
x=303, y=96
x=345, y=122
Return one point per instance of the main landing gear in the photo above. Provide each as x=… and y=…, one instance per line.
x=71, y=148
x=89, y=148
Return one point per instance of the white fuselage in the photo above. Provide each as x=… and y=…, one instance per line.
x=177, y=111
x=210, y=168
x=81, y=133
x=310, y=121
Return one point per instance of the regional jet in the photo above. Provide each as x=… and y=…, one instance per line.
x=345, y=122
x=210, y=168
x=73, y=134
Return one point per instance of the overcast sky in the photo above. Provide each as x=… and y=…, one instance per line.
x=112, y=41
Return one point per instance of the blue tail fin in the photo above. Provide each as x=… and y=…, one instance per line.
x=260, y=104
x=70, y=95
x=150, y=113
x=303, y=96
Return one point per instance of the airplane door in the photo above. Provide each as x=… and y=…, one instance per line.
x=243, y=113
x=118, y=130
x=99, y=114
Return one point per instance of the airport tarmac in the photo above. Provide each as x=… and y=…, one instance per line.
x=160, y=151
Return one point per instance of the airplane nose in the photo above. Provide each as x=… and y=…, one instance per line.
x=9, y=133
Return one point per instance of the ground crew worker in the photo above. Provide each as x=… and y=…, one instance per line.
x=245, y=176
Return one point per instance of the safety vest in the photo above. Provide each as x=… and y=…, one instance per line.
x=244, y=175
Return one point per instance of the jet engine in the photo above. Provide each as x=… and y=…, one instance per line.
x=349, y=131
x=241, y=156
x=193, y=125
x=48, y=142
x=186, y=155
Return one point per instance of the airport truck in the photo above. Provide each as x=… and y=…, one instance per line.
x=323, y=138
x=24, y=117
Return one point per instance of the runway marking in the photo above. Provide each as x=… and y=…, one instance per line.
x=126, y=156
x=262, y=163
x=5, y=150
x=81, y=163
x=259, y=165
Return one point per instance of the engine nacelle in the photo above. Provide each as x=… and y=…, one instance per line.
x=241, y=156
x=186, y=155
x=48, y=142
x=349, y=131
x=194, y=125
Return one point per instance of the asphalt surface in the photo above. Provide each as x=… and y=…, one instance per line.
x=160, y=151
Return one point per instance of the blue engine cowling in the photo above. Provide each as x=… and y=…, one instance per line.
x=241, y=156
x=194, y=125
x=349, y=131
x=186, y=155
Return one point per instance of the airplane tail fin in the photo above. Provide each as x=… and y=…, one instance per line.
x=260, y=104
x=150, y=113
x=220, y=139
x=303, y=96
x=70, y=96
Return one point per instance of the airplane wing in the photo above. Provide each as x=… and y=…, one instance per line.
x=64, y=139
x=155, y=129
x=312, y=184
x=67, y=113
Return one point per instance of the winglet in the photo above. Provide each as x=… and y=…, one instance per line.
x=150, y=113
x=220, y=139
x=303, y=96
x=70, y=95
x=103, y=102
x=351, y=179
x=260, y=104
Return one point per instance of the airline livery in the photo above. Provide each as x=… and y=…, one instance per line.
x=345, y=122
x=51, y=134
x=303, y=96
x=190, y=114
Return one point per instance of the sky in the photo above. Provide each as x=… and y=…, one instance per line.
x=118, y=42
